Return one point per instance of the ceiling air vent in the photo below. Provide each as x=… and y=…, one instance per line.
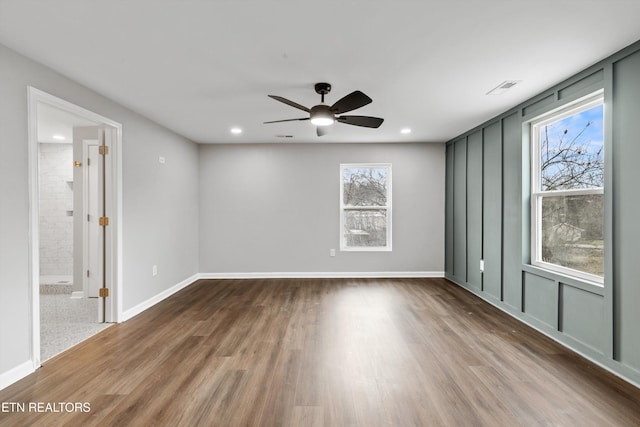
x=503, y=87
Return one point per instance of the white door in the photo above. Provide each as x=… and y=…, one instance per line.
x=93, y=232
x=94, y=248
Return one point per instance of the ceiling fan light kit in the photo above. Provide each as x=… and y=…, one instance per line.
x=323, y=115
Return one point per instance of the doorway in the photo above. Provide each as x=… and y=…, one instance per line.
x=74, y=221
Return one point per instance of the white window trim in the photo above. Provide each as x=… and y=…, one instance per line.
x=388, y=208
x=586, y=103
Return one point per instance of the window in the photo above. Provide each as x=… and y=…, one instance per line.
x=365, y=207
x=567, y=190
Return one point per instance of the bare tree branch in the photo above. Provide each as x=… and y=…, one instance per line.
x=568, y=163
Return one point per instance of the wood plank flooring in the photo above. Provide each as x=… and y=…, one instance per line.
x=318, y=352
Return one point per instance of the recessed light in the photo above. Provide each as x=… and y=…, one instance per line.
x=405, y=131
x=236, y=131
x=59, y=137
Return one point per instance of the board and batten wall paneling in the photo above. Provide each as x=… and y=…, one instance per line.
x=540, y=299
x=512, y=210
x=492, y=211
x=448, y=241
x=582, y=316
x=626, y=209
x=489, y=219
x=474, y=209
x=460, y=210
x=582, y=84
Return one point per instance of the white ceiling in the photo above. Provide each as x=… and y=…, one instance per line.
x=201, y=67
x=53, y=122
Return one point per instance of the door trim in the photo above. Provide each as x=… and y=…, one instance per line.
x=113, y=197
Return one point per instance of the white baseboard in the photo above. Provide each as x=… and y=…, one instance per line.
x=325, y=275
x=15, y=374
x=77, y=294
x=126, y=315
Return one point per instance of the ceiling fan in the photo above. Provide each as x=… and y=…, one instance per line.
x=323, y=115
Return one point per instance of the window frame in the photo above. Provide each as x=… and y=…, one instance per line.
x=387, y=208
x=537, y=194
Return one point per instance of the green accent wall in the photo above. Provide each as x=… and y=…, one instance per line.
x=487, y=218
x=492, y=211
x=626, y=209
x=459, y=216
x=474, y=209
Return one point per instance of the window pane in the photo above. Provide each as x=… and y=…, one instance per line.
x=573, y=232
x=364, y=186
x=365, y=228
x=571, y=152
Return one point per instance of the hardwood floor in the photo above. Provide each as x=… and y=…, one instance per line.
x=303, y=352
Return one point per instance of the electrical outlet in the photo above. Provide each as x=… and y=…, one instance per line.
x=332, y=252
x=154, y=270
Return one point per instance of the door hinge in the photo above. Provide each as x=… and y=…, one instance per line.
x=103, y=221
x=104, y=292
x=88, y=161
x=103, y=150
x=87, y=273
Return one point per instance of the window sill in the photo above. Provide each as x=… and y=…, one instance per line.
x=365, y=249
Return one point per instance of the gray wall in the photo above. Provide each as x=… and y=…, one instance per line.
x=276, y=208
x=160, y=223
x=487, y=217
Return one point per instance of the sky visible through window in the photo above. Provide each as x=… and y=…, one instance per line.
x=571, y=150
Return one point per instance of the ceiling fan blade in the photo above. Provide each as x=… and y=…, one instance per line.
x=287, y=120
x=364, y=121
x=288, y=102
x=350, y=102
x=322, y=130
